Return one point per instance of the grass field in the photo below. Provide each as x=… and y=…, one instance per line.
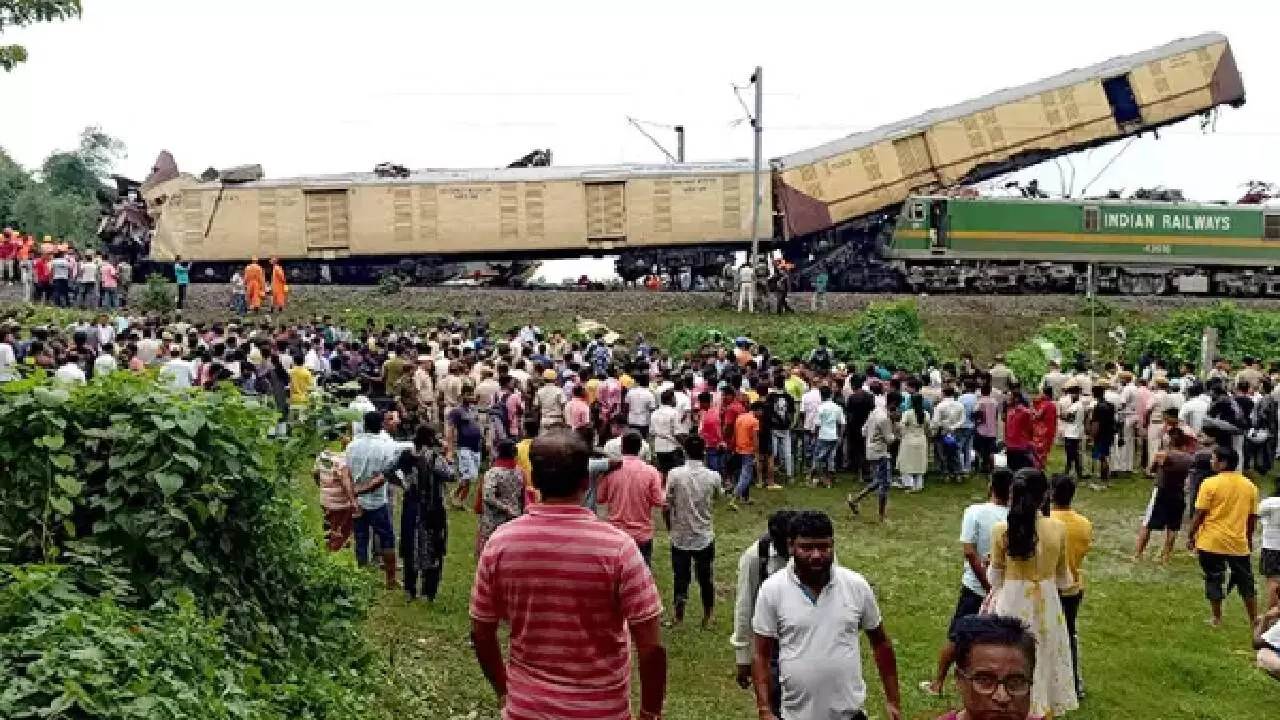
x=1146, y=648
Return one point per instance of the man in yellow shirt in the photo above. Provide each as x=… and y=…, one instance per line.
x=1079, y=538
x=1222, y=533
x=300, y=382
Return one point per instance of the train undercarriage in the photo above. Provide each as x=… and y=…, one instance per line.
x=981, y=277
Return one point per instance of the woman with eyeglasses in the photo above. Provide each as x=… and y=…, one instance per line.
x=995, y=664
x=1028, y=567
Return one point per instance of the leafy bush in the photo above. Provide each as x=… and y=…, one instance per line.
x=157, y=296
x=391, y=283
x=783, y=340
x=889, y=332
x=1176, y=336
x=174, y=518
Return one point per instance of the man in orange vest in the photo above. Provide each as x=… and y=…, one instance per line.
x=279, y=289
x=254, y=284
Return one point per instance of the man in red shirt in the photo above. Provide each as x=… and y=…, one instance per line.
x=632, y=492
x=8, y=250
x=730, y=408
x=710, y=429
x=571, y=588
x=43, y=270
x=1018, y=434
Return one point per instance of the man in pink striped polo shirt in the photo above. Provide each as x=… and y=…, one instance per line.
x=571, y=588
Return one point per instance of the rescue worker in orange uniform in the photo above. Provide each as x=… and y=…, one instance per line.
x=255, y=284
x=279, y=289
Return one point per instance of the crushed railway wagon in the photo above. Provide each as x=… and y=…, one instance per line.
x=1132, y=247
x=349, y=228
x=872, y=171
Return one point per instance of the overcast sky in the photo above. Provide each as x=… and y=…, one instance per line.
x=316, y=86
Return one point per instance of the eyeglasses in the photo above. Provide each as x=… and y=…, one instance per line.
x=986, y=683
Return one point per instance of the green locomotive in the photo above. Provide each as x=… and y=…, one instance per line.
x=986, y=244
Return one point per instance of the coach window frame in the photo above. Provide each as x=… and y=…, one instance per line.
x=917, y=212
x=1092, y=213
x=1271, y=226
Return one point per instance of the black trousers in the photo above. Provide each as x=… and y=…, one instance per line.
x=182, y=296
x=1072, y=446
x=1071, y=609
x=62, y=293
x=701, y=562
x=646, y=551
x=1019, y=459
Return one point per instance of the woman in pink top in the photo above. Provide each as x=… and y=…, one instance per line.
x=995, y=663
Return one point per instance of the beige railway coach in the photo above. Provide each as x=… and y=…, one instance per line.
x=1007, y=130
x=545, y=211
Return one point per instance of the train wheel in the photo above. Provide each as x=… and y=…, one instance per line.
x=1127, y=284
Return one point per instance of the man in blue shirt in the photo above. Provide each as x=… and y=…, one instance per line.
x=182, y=276
x=372, y=456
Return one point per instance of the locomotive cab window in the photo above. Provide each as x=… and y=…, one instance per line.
x=1271, y=227
x=917, y=211
x=1091, y=219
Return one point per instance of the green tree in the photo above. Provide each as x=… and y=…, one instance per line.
x=66, y=198
x=13, y=180
x=82, y=171
x=20, y=13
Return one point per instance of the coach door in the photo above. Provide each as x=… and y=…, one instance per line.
x=328, y=220
x=606, y=210
x=938, y=239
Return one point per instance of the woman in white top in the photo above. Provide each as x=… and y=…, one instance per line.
x=1269, y=563
x=913, y=453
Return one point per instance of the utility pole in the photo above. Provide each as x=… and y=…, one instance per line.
x=679, y=156
x=757, y=126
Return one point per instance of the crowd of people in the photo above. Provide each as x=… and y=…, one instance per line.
x=60, y=275
x=566, y=449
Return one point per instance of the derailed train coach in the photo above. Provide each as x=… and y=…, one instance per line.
x=351, y=228
x=849, y=191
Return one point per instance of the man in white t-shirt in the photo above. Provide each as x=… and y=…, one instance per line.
x=684, y=408
x=663, y=426
x=178, y=373
x=105, y=363
x=830, y=422
x=975, y=537
x=1195, y=408
x=88, y=281
x=747, y=288
x=640, y=406
x=70, y=373
x=809, y=616
x=1071, y=412
x=8, y=359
